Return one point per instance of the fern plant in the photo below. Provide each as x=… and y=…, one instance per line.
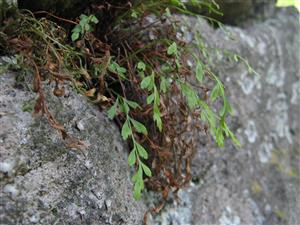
x=144, y=83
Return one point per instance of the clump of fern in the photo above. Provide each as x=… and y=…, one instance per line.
x=138, y=71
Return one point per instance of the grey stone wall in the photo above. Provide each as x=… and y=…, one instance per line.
x=260, y=182
x=44, y=182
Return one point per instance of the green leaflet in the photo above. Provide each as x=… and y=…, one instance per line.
x=139, y=126
x=146, y=82
x=113, y=110
x=150, y=98
x=199, y=71
x=141, y=151
x=146, y=170
x=84, y=26
x=172, y=49
x=116, y=68
x=190, y=94
x=157, y=118
x=164, y=85
x=141, y=66
x=126, y=130
x=75, y=36
x=215, y=93
x=132, y=158
x=132, y=104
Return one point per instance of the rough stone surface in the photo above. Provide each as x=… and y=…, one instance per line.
x=43, y=182
x=238, y=12
x=258, y=184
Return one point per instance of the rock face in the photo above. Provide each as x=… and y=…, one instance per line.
x=259, y=183
x=43, y=182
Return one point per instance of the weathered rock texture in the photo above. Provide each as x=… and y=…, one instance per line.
x=43, y=182
x=259, y=183
x=237, y=12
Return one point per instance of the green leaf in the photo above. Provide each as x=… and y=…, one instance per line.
x=142, y=151
x=166, y=68
x=150, y=98
x=234, y=139
x=179, y=3
x=219, y=136
x=112, y=111
x=156, y=97
x=138, y=183
x=168, y=12
x=229, y=133
x=132, y=158
x=139, y=126
x=156, y=112
x=87, y=27
x=75, y=36
x=116, y=68
x=199, y=72
x=190, y=94
x=76, y=29
x=146, y=170
x=215, y=93
x=125, y=107
x=121, y=70
x=178, y=64
x=83, y=22
x=83, y=17
x=134, y=14
x=141, y=66
x=134, y=177
x=235, y=57
x=94, y=19
x=172, y=49
x=126, y=131
x=132, y=104
x=163, y=84
x=207, y=114
x=146, y=82
x=226, y=108
x=137, y=190
x=157, y=118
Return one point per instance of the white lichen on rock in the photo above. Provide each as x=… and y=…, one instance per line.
x=229, y=217
x=248, y=82
x=275, y=75
x=296, y=93
x=7, y=166
x=178, y=214
x=280, y=110
x=10, y=188
x=251, y=131
x=265, y=152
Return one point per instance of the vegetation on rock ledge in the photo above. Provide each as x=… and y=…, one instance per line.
x=129, y=58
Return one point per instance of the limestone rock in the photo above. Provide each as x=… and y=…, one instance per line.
x=259, y=183
x=43, y=182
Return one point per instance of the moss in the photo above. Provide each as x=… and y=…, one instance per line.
x=280, y=214
x=256, y=187
x=28, y=106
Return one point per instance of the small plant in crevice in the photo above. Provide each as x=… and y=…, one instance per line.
x=85, y=26
x=137, y=70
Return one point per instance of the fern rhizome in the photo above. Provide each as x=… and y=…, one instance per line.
x=129, y=59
